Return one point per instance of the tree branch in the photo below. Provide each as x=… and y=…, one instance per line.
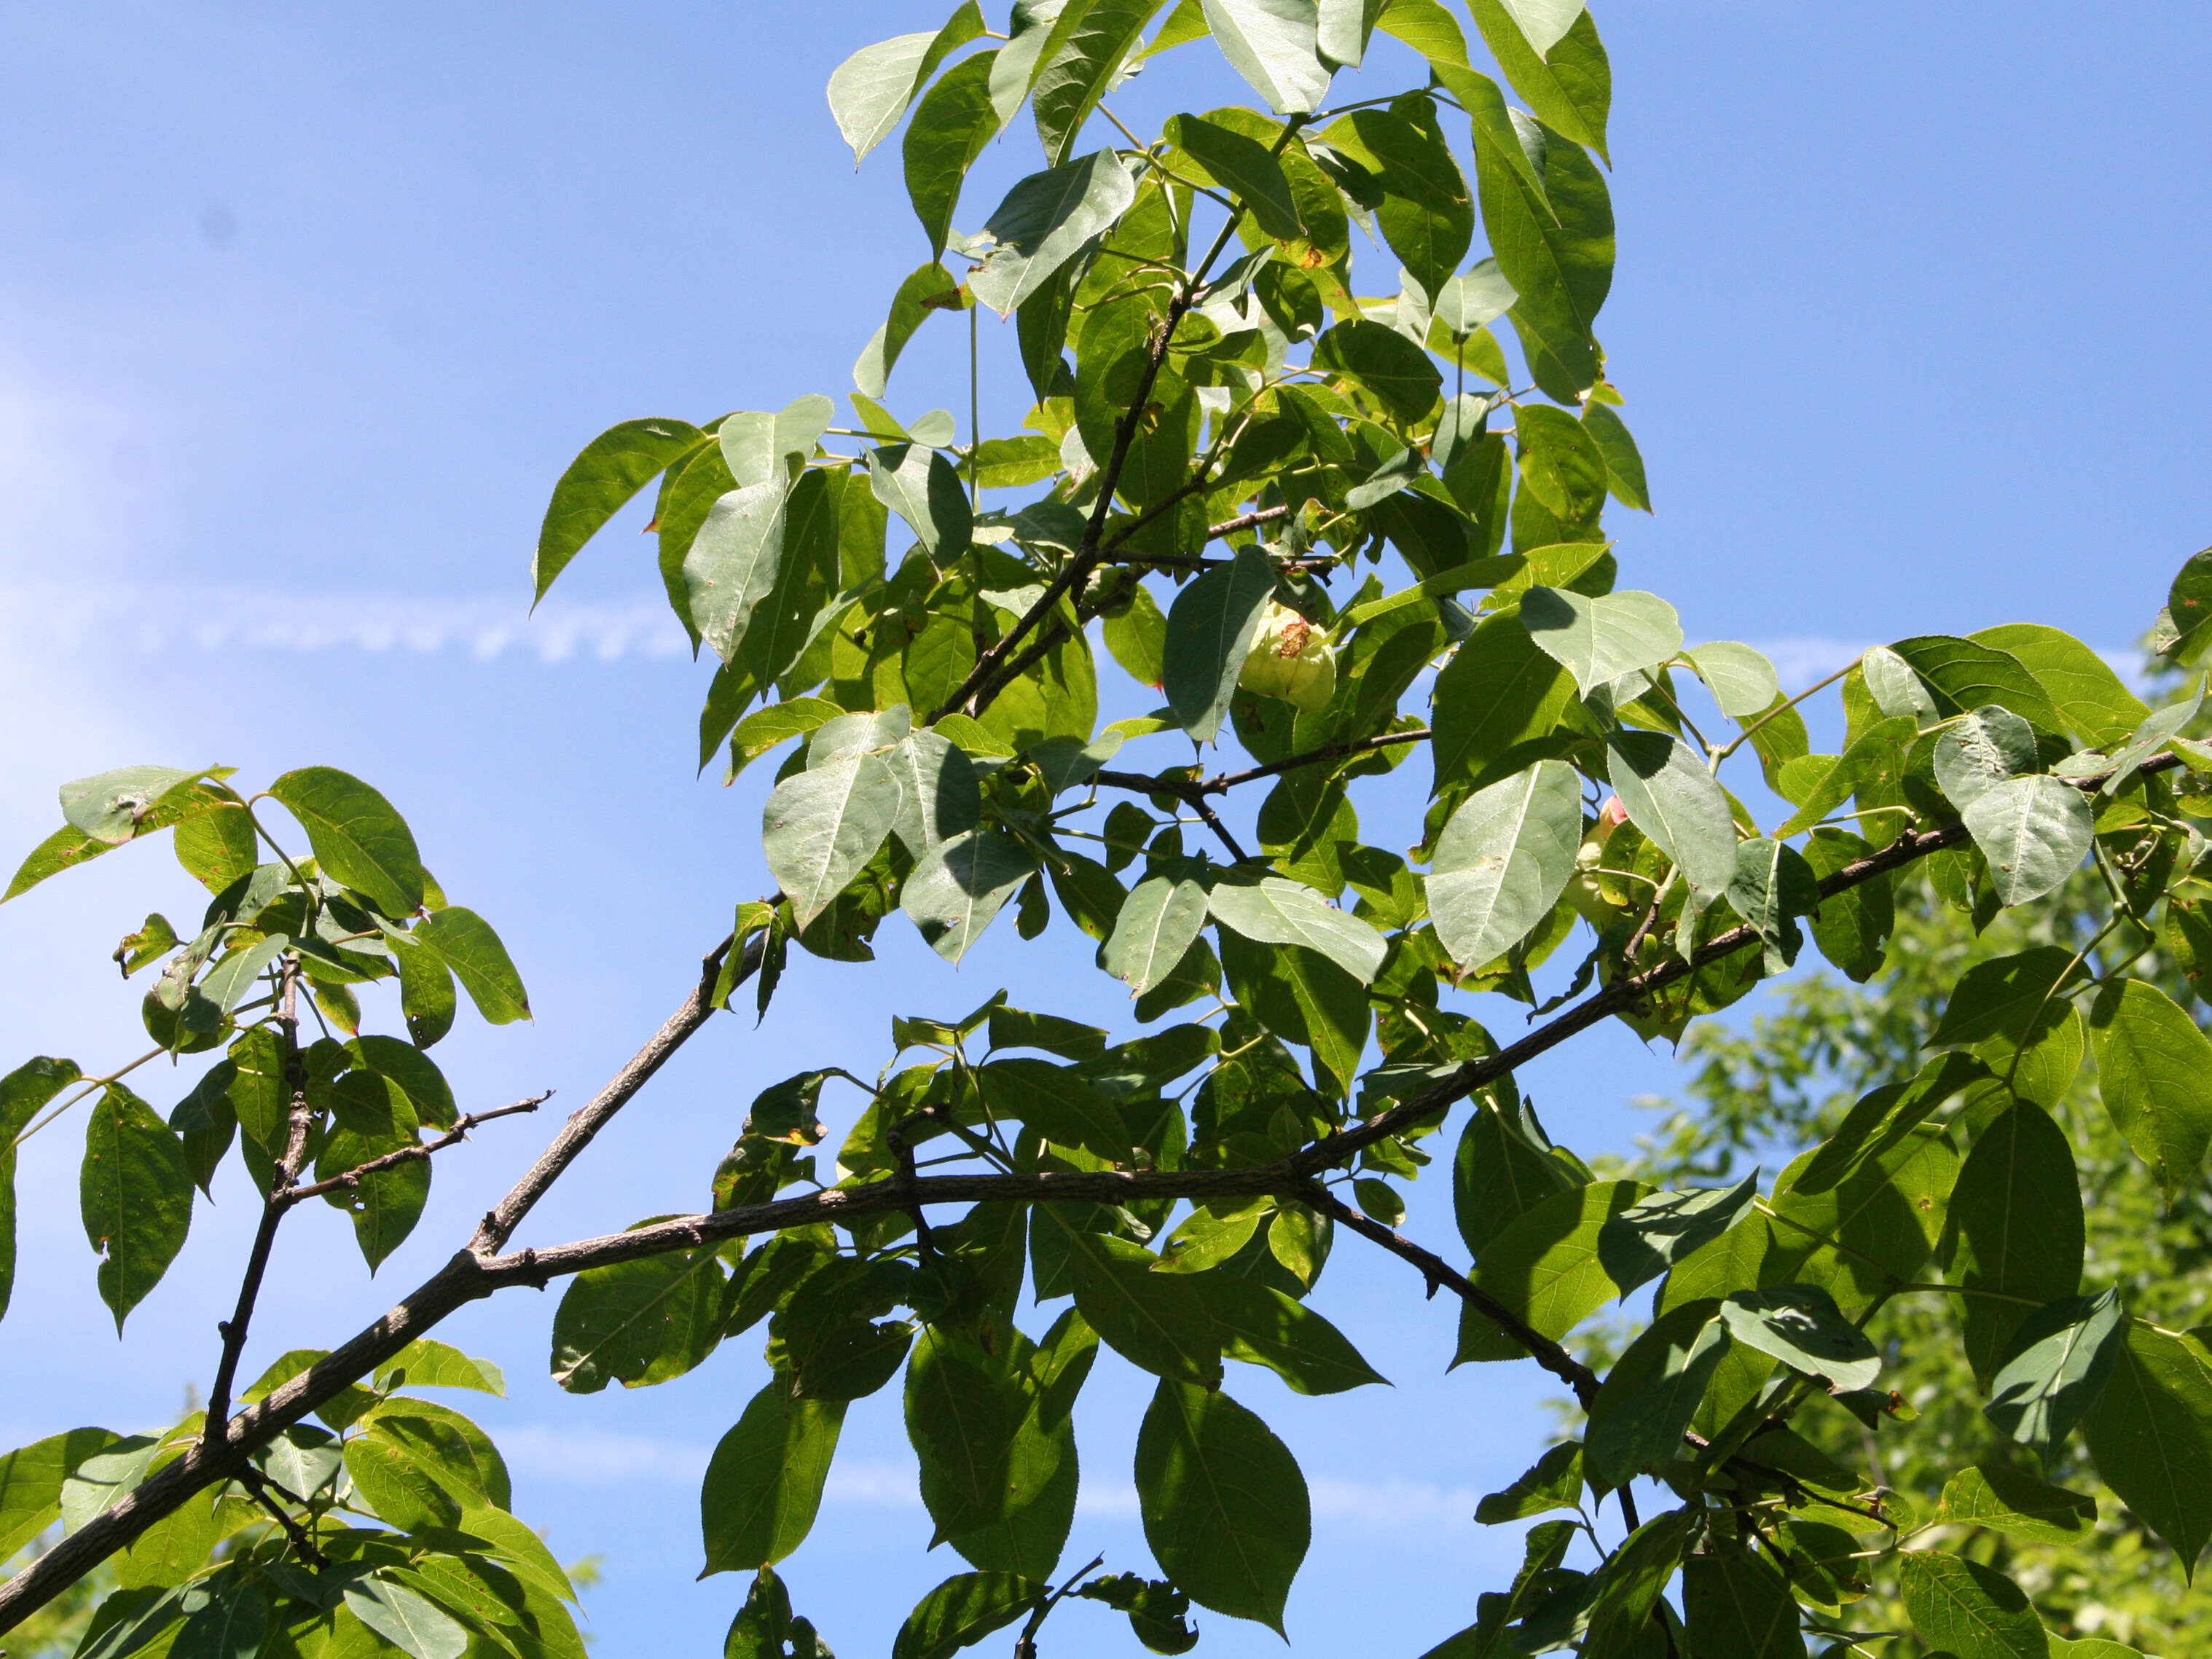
x=393, y=1160
x=499, y=1225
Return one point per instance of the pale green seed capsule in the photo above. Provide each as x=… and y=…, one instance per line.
x=1291, y=659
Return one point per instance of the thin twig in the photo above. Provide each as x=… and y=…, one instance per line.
x=1545, y=1352
x=1212, y=821
x=1192, y=790
x=1025, y=1643
x=299, y=1119
x=393, y=1160
x=260, y=1486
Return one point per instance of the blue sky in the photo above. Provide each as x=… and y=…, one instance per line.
x=302, y=308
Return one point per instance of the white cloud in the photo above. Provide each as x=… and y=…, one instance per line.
x=591, y=1457
x=50, y=617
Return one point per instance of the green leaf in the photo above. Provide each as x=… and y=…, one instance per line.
x=1157, y=1322
x=1630, y=1583
x=2034, y=831
x=638, y=1322
x=821, y=826
x=63, y=850
x=870, y=90
x=2055, y=1367
x=731, y=564
x=1213, y=1234
x=1981, y=748
x=1273, y=911
x=1275, y=45
x=2087, y=694
x=1427, y=216
x=31, y=1478
x=1498, y=691
x=1570, y=87
x=412, y=1072
x=1674, y=801
x=1261, y=1325
x=1651, y=1393
x=2009, y=998
x=764, y=1484
x=1044, y=221
x=2185, y=606
x=1543, y=23
x=1874, y=759
x=1433, y=32
x=1210, y=631
x=1069, y=82
x=2003, y=1498
x=1563, y=468
x=2017, y=1211
x=962, y=1417
x=1502, y=861
x=228, y=982
x=1555, y=1482
x=430, y=1364
x=426, y=992
x=465, y=943
x=114, y=806
x=1967, y=674
x=1660, y=1229
x=1378, y=359
x=1968, y=1609
x=1851, y=928
x=1138, y=638
x=1801, y=1326
x=1623, y=477
x=1741, y=679
x=1246, y=168
x=135, y=1193
x=1736, y=1604
x=2150, y=1432
x=413, y=1623
x=939, y=798
x=924, y=490
x=1498, y=1174
x=385, y=1205
x=777, y=724
x=927, y=289
x=2155, y=1068
x=964, y=1610
x=24, y=1091
x=1545, y=1265
x=1772, y=887
x=1556, y=249
x=1224, y=1505
x=1157, y=923
x=613, y=467
x=1598, y=640
x=951, y=124
x=359, y=839
x=957, y=888
x=1059, y=1102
